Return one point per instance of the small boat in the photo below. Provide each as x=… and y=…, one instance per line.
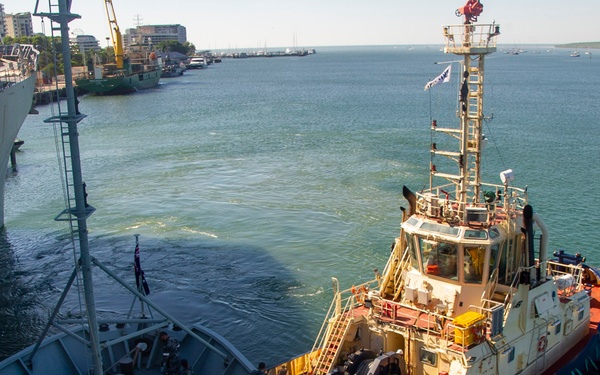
x=18, y=69
x=469, y=287
x=575, y=54
x=171, y=69
x=147, y=340
x=197, y=62
x=133, y=70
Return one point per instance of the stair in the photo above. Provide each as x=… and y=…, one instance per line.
x=331, y=348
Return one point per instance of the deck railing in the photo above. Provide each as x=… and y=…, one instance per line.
x=478, y=38
x=438, y=202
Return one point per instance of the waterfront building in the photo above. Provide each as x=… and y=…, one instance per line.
x=155, y=34
x=86, y=43
x=18, y=25
x=2, y=22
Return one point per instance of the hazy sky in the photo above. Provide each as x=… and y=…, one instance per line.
x=229, y=24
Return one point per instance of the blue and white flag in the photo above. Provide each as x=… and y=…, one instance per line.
x=444, y=77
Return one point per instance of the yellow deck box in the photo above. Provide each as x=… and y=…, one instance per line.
x=469, y=328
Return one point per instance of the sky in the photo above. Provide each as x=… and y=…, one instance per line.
x=256, y=24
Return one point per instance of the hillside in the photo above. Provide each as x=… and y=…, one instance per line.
x=582, y=45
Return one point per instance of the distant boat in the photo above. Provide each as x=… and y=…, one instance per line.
x=575, y=54
x=197, y=63
x=171, y=68
x=171, y=71
x=138, y=72
x=18, y=65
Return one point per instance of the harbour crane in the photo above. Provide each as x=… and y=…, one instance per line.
x=115, y=33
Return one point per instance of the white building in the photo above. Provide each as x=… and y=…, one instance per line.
x=86, y=43
x=156, y=33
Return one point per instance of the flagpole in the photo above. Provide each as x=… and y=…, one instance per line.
x=430, y=142
x=140, y=279
x=444, y=77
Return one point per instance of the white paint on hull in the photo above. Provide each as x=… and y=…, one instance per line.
x=15, y=103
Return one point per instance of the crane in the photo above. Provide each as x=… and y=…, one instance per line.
x=115, y=33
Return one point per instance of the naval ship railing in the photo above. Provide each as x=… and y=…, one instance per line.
x=17, y=62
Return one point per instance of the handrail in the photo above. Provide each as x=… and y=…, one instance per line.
x=332, y=312
x=479, y=36
x=569, y=277
x=337, y=321
x=437, y=202
x=403, y=262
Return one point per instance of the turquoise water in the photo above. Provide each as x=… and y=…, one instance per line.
x=255, y=181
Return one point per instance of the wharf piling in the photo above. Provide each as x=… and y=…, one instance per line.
x=48, y=93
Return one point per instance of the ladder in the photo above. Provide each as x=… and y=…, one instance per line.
x=469, y=135
x=393, y=282
x=473, y=117
x=332, y=345
x=65, y=129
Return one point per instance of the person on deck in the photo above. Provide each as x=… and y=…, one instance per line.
x=262, y=369
x=172, y=362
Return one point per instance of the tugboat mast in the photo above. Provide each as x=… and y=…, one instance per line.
x=473, y=43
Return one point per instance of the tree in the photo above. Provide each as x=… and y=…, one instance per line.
x=191, y=48
x=171, y=46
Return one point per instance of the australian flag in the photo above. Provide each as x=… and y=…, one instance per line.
x=139, y=274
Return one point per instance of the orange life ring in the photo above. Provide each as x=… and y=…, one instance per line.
x=542, y=343
x=359, y=293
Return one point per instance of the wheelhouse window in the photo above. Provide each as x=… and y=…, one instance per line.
x=494, y=255
x=439, y=258
x=410, y=243
x=474, y=262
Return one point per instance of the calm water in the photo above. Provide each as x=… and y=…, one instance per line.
x=255, y=181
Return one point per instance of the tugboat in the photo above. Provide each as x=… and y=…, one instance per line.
x=468, y=288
